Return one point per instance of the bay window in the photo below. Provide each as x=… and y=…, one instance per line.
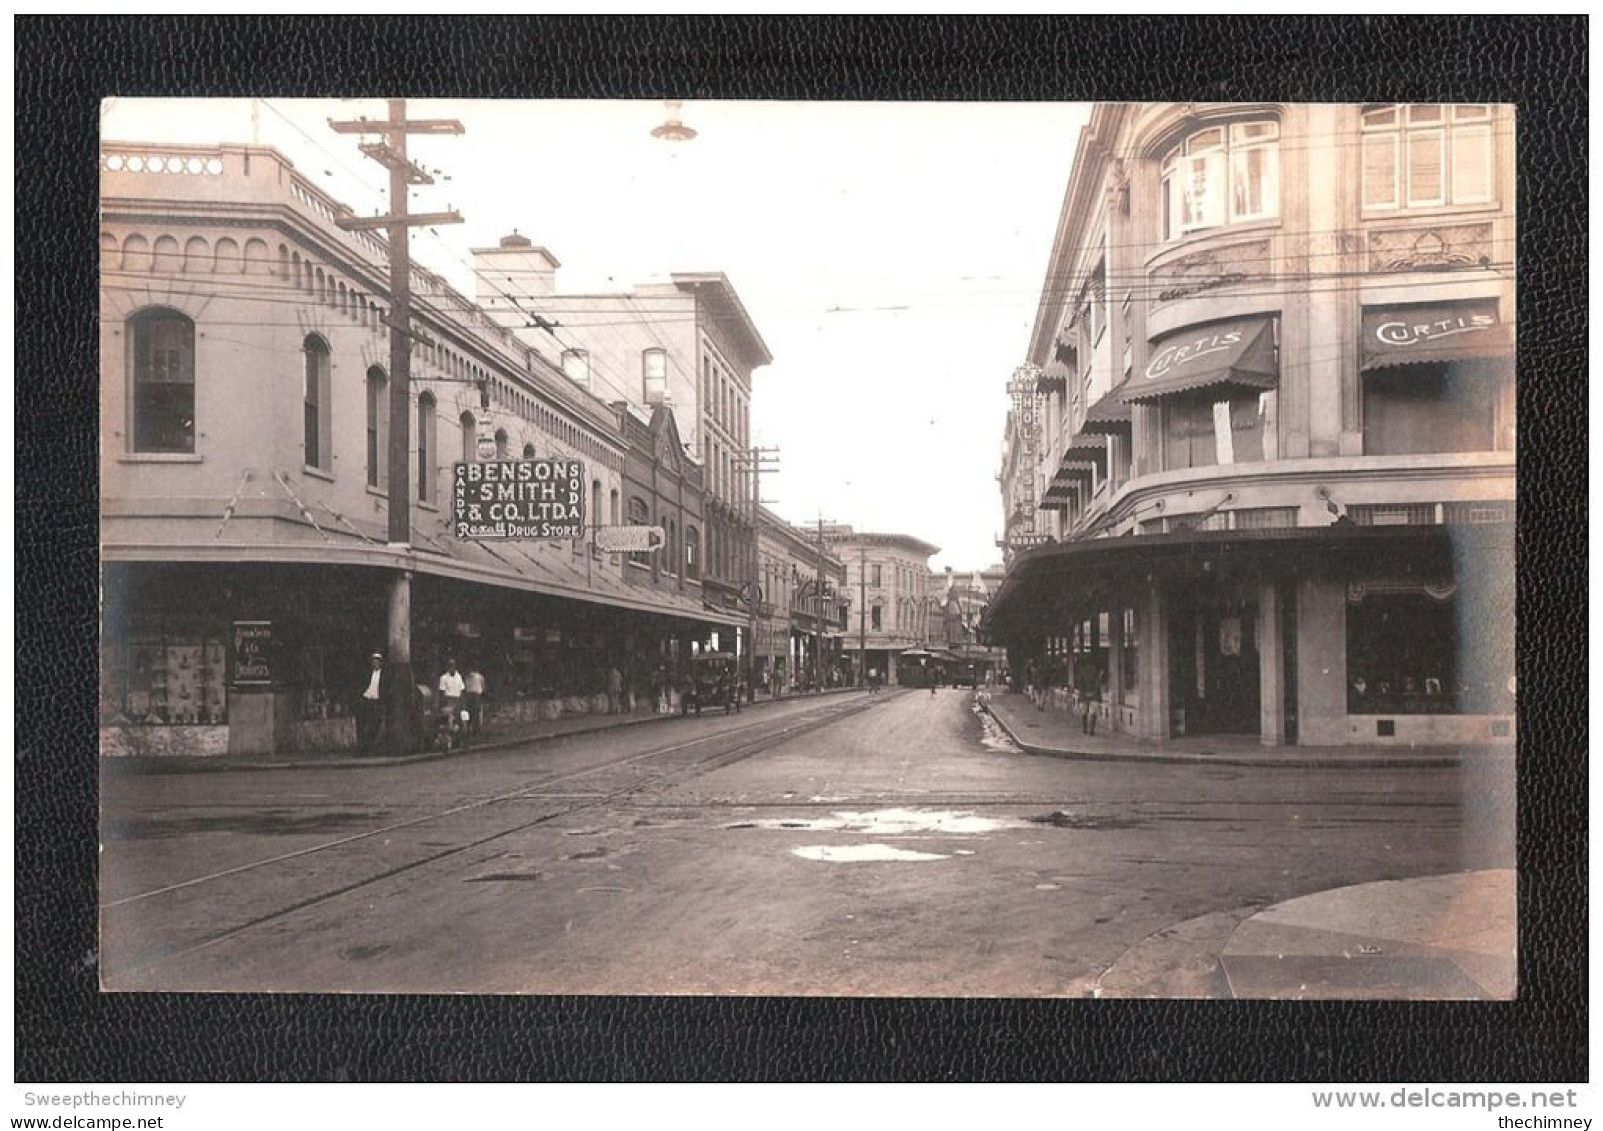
x=1422, y=156
x=1225, y=174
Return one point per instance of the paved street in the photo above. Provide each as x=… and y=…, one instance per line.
x=849, y=844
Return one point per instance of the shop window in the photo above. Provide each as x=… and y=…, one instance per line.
x=654, y=374
x=164, y=381
x=1130, y=657
x=163, y=681
x=1415, y=652
x=317, y=433
x=378, y=413
x=1200, y=430
x=1420, y=156
x=427, y=446
x=1465, y=406
x=1225, y=174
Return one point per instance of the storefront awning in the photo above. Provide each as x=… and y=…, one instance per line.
x=1237, y=354
x=1438, y=332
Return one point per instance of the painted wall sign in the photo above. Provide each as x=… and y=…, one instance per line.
x=253, y=653
x=518, y=499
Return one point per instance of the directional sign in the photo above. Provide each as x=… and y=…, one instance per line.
x=630, y=539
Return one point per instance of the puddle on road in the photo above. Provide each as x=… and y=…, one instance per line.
x=992, y=736
x=889, y=822
x=861, y=853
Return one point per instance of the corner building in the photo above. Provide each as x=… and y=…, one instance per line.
x=244, y=469
x=1266, y=484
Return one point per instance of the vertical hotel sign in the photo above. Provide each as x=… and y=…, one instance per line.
x=518, y=499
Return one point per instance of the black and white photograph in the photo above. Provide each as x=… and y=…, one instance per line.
x=673, y=550
x=788, y=548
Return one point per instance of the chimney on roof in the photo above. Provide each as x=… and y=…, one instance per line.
x=511, y=277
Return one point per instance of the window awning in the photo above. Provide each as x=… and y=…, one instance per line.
x=1438, y=332
x=1237, y=354
x=1090, y=448
x=1053, y=379
x=1108, y=415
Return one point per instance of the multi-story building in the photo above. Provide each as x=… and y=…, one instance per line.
x=888, y=580
x=687, y=344
x=803, y=608
x=245, y=434
x=1275, y=350
x=957, y=606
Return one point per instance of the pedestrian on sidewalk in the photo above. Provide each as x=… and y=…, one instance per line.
x=473, y=690
x=451, y=688
x=370, y=706
x=614, y=690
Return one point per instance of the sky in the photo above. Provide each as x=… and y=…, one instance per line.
x=890, y=254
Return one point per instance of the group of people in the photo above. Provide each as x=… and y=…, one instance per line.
x=457, y=699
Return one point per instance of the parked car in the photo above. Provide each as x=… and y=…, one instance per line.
x=714, y=682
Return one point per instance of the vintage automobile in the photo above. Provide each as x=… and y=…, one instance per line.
x=714, y=682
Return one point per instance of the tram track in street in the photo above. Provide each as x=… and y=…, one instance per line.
x=752, y=739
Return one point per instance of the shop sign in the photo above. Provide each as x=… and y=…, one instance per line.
x=253, y=653
x=518, y=499
x=1402, y=333
x=630, y=539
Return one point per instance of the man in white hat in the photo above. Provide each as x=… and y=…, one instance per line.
x=370, y=707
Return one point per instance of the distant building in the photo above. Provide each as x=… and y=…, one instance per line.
x=687, y=345
x=1272, y=465
x=803, y=611
x=887, y=576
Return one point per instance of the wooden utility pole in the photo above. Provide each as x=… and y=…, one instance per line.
x=862, y=615
x=399, y=734
x=756, y=460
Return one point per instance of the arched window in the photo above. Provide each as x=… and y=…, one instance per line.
x=595, y=517
x=1223, y=174
x=654, y=373
x=378, y=421
x=500, y=443
x=528, y=451
x=317, y=432
x=639, y=515
x=612, y=511
x=670, y=549
x=692, y=553
x=164, y=381
x=470, y=438
x=427, y=446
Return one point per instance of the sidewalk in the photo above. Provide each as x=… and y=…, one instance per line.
x=1435, y=938
x=494, y=738
x=1057, y=733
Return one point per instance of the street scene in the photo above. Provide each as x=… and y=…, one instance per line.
x=1095, y=581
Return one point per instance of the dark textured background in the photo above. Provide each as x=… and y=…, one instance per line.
x=66, y=1030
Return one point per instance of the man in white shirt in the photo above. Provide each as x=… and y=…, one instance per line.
x=473, y=699
x=370, y=707
x=451, y=688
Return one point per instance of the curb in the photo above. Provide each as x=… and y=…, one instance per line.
x=1282, y=760
x=224, y=764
